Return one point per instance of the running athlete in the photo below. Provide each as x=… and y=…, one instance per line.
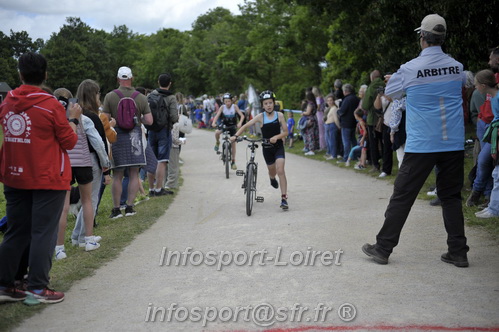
x=228, y=113
x=275, y=129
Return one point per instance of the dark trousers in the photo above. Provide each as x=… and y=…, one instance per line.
x=412, y=174
x=33, y=220
x=387, y=151
x=374, y=140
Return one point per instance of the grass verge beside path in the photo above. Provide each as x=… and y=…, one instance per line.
x=116, y=235
x=491, y=225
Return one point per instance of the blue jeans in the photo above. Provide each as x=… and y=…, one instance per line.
x=331, y=131
x=348, y=138
x=483, y=180
x=355, y=152
x=494, y=195
x=481, y=127
x=207, y=115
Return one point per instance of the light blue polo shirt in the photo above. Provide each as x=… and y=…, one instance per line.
x=433, y=84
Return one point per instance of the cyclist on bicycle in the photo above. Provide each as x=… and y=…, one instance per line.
x=275, y=129
x=228, y=113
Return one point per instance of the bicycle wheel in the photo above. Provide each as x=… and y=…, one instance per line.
x=227, y=159
x=250, y=188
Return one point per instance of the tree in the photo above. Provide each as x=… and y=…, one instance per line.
x=76, y=53
x=11, y=48
x=160, y=54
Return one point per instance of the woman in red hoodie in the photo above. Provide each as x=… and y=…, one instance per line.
x=35, y=171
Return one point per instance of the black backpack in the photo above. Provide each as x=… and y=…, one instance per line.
x=160, y=114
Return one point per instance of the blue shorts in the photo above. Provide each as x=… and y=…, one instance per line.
x=161, y=144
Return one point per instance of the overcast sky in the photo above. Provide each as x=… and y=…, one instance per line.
x=40, y=18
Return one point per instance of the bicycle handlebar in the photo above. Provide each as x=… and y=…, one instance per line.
x=252, y=140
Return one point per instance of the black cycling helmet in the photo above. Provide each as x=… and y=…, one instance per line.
x=227, y=95
x=267, y=94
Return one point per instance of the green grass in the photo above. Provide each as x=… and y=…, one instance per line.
x=491, y=225
x=116, y=234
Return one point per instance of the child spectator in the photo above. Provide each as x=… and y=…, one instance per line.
x=198, y=114
x=291, y=129
x=362, y=144
x=332, y=127
x=82, y=164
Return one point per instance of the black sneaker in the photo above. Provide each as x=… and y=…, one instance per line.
x=129, y=211
x=115, y=213
x=12, y=294
x=152, y=193
x=163, y=192
x=284, y=204
x=459, y=261
x=274, y=183
x=371, y=251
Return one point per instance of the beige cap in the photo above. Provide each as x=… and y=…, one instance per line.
x=430, y=22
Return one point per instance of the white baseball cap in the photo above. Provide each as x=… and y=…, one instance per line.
x=125, y=73
x=430, y=22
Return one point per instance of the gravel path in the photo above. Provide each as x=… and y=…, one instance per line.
x=333, y=212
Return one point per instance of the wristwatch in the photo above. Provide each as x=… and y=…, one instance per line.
x=75, y=121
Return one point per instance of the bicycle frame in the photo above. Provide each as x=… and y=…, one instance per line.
x=250, y=174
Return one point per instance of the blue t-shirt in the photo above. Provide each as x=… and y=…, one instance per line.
x=291, y=125
x=199, y=114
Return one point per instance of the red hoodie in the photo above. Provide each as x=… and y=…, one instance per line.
x=36, y=136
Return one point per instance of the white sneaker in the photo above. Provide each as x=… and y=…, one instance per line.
x=432, y=193
x=382, y=175
x=60, y=253
x=75, y=243
x=310, y=153
x=487, y=214
x=330, y=158
x=347, y=164
x=482, y=211
x=90, y=243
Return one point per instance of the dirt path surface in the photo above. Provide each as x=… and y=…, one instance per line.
x=333, y=212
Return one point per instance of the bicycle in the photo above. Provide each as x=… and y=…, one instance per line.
x=250, y=175
x=226, y=154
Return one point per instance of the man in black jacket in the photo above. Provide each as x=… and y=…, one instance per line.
x=347, y=120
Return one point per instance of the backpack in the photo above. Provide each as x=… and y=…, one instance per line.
x=126, y=116
x=160, y=114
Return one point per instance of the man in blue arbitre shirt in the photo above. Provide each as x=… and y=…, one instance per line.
x=435, y=137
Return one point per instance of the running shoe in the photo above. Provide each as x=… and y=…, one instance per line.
x=47, y=295
x=11, y=294
x=284, y=204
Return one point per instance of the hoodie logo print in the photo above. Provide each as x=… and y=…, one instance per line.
x=17, y=125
